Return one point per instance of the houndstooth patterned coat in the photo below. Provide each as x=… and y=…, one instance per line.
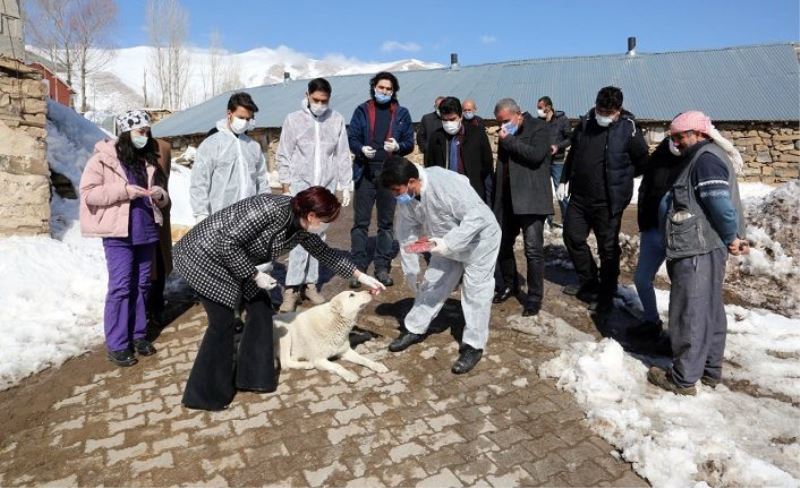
x=218, y=257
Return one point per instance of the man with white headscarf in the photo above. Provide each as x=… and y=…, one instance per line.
x=703, y=223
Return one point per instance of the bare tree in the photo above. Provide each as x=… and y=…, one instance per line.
x=167, y=25
x=221, y=71
x=48, y=22
x=91, y=24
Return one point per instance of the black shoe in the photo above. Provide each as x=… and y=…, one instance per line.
x=468, y=357
x=144, y=347
x=354, y=283
x=123, y=358
x=504, y=294
x=646, y=329
x=571, y=290
x=531, y=310
x=405, y=340
x=359, y=336
x=603, y=304
x=384, y=278
x=588, y=292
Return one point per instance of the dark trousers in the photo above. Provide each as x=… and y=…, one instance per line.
x=369, y=193
x=155, y=301
x=216, y=373
x=581, y=219
x=697, y=322
x=532, y=227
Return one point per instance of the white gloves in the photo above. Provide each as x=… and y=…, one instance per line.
x=561, y=191
x=135, y=191
x=411, y=282
x=391, y=146
x=158, y=194
x=345, y=197
x=265, y=281
x=368, y=152
x=439, y=247
x=370, y=282
x=199, y=218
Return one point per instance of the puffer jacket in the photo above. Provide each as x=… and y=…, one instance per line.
x=104, y=201
x=314, y=151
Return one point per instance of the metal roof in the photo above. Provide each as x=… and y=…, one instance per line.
x=746, y=83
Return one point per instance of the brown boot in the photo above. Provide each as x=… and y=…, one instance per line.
x=291, y=296
x=663, y=379
x=311, y=293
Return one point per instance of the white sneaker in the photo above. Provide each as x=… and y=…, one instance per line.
x=310, y=292
x=290, y=299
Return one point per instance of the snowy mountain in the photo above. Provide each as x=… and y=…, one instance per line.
x=120, y=86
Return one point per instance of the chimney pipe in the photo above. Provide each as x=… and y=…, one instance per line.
x=286, y=76
x=454, y=61
x=631, y=46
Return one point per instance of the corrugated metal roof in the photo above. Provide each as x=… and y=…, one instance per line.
x=758, y=83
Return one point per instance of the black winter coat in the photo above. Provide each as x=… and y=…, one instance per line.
x=625, y=158
x=429, y=124
x=476, y=155
x=560, y=133
x=526, y=157
x=661, y=171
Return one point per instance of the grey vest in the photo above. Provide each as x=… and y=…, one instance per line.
x=688, y=230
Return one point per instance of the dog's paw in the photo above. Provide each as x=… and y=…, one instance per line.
x=350, y=377
x=380, y=368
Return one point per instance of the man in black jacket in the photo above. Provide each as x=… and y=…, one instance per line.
x=471, y=116
x=560, y=132
x=461, y=147
x=428, y=125
x=523, y=199
x=608, y=150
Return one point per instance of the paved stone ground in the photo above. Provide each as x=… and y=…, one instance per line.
x=88, y=423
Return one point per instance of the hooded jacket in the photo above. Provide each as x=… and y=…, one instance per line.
x=226, y=169
x=314, y=151
x=625, y=157
x=105, y=203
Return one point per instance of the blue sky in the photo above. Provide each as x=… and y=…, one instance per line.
x=480, y=31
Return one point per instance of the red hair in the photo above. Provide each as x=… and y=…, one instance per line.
x=319, y=200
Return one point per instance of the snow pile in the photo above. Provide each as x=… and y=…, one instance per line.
x=746, y=432
x=179, y=181
x=770, y=276
x=51, y=308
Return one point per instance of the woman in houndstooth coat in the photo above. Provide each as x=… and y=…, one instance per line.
x=218, y=258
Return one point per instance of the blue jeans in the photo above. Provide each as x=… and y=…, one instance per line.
x=652, y=253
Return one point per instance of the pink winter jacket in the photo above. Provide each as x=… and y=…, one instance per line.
x=105, y=203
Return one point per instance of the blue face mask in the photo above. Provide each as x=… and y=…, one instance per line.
x=405, y=198
x=510, y=128
x=469, y=115
x=382, y=97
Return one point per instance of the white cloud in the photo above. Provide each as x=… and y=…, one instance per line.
x=389, y=46
x=488, y=39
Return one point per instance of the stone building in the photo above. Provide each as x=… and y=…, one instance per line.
x=24, y=173
x=11, y=44
x=752, y=93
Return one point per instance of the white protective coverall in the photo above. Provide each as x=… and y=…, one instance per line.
x=226, y=169
x=450, y=209
x=312, y=151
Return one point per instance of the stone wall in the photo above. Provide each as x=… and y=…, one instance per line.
x=770, y=150
x=24, y=173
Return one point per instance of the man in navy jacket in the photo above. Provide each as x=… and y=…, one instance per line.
x=379, y=128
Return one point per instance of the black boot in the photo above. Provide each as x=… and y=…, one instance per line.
x=646, y=329
x=406, y=340
x=468, y=357
x=123, y=358
x=144, y=347
x=384, y=277
x=504, y=294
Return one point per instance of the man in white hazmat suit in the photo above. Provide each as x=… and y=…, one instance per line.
x=229, y=165
x=464, y=237
x=313, y=151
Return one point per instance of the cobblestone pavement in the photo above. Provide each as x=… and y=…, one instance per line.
x=88, y=423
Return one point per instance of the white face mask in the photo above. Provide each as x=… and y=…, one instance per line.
x=139, y=141
x=240, y=126
x=541, y=113
x=451, y=126
x=469, y=115
x=603, y=121
x=318, y=109
x=674, y=149
x=319, y=229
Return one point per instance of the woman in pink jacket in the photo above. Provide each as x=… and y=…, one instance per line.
x=122, y=192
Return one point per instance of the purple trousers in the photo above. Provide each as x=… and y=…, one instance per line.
x=125, y=314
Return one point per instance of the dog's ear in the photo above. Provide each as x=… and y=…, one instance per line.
x=336, y=305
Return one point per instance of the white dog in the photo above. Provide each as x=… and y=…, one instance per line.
x=308, y=339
